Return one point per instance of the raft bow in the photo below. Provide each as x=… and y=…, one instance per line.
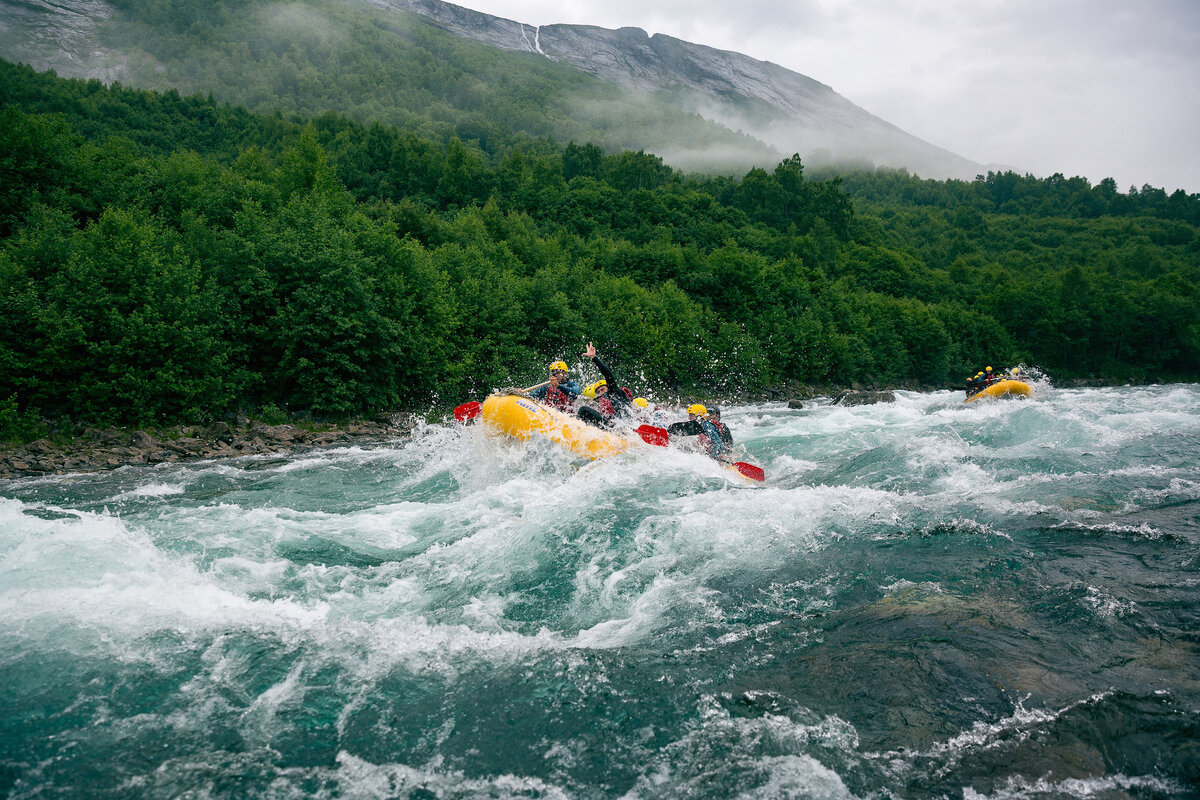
x=1007, y=388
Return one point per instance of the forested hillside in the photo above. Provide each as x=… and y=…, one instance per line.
x=168, y=258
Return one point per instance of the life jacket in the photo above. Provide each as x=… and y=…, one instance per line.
x=558, y=398
x=605, y=406
x=710, y=439
x=722, y=430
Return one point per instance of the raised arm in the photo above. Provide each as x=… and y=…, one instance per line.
x=605, y=372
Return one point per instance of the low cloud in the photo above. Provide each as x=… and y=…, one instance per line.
x=1099, y=88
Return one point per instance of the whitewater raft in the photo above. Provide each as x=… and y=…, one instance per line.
x=521, y=418
x=1003, y=389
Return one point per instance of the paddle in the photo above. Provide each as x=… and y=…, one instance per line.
x=471, y=410
x=652, y=435
x=468, y=411
x=749, y=470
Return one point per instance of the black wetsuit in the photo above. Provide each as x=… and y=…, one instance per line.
x=714, y=442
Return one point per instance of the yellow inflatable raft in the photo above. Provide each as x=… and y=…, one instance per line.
x=1003, y=389
x=519, y=416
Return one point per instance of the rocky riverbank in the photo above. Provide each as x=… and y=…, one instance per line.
x=102, y=449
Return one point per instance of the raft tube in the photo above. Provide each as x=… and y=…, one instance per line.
x=521, y=417
x=1003, y=389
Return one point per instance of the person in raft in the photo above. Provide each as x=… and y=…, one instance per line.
x=975, y=384
x=714, y=416
x=708, y=435
x=643, y=414
x=611, y=398
x=559, y=392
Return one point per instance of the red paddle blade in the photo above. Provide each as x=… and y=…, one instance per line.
x=652, y=435
x=750, y=471
x=468, y=411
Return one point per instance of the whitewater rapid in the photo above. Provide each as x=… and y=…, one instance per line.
x=925, y=599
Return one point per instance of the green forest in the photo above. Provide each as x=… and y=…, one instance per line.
x=168, y=258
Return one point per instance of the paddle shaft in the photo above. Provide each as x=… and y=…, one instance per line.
x=468, y=411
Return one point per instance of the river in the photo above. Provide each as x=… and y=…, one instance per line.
x=926, y=599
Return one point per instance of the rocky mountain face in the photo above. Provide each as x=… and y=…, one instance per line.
x=784, y=109
x=788, y=112
x=57, y=35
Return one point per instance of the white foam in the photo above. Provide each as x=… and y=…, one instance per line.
x=1106, y=606
x=359, y=778
x=1103, y=786
x=93, y=570
x=983, y=736
x=797, y=776
x=152, y=490
x=768, y=753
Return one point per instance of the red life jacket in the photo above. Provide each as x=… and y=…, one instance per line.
x=559, y=399
x=605, y=407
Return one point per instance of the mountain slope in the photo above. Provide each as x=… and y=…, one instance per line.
x=785, y=109
x=444, y=70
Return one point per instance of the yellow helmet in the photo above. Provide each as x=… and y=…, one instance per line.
x=590, y=391
x=558, y=365
x=989, y=369
x=697, y=409
x=641, y=401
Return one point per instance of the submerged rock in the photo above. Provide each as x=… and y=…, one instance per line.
x=863, y=398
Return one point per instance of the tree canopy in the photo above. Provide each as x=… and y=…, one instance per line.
x=167, y=258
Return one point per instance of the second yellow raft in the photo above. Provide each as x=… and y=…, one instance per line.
x=1003, y=389
x=520, y=417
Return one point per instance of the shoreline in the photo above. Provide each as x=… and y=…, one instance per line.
x=101, y=450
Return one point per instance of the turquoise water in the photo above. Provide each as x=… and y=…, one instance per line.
x=926, y=599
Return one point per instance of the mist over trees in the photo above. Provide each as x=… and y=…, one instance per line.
x=169, y=258
x=396, y=67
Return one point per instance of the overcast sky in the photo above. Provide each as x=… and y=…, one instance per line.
x=1099, y=88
